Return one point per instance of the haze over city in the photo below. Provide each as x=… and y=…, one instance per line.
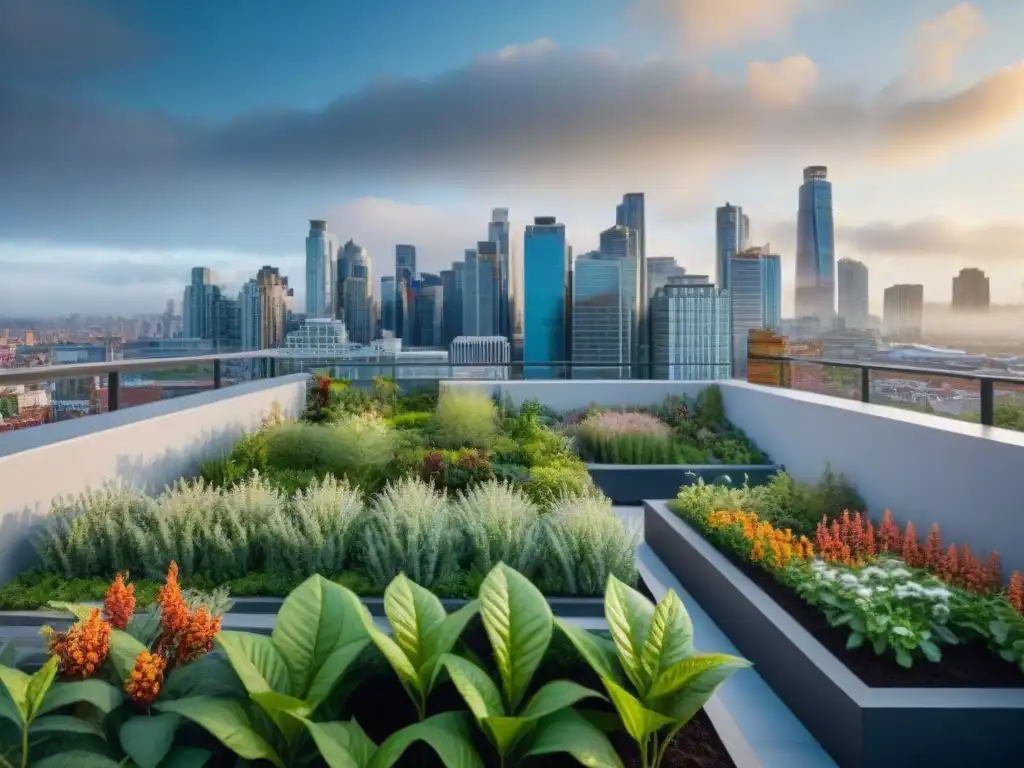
x=133, y=147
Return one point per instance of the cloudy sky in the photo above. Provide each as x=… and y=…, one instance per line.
x=139, y=138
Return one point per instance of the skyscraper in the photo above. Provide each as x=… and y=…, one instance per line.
x=321, y=271
x=772, y=263
x=659, y=270
x=405, y=273
x=903, y=311
x=854, y=293
x=690, y=330
x=971, y=291
x=631, y=213
x=747, y=272
x=452, y=286
x=601, y=317
x=201, y=314
x=498, y=233
x=815, y=247
x=470, y=297
x=430, y=310
x=623, y=243
x=545, y=296
x=732, y=235
x=265, y=304
x=388, y=298
x=357, y=296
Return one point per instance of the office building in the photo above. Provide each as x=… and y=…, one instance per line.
x=732, y=235
x=388, y=297
x=350, y=255
x=405, y=273
x=903, y=312
x=546, y=283
x=355, y=283
x=747, y=272
x=321, y=271
x=489, y=357
x=815, y=248
x=451, y=288
x=264, y=306
x=971, y=291
x=602, y=318
x=690, y=330
x=202, y=315
x=623, y=243
x=631, y=213
x=429, y=311
x=498, y=232
x=319, y=338
x=772, y=264
x=659, y=270
x=854, y=292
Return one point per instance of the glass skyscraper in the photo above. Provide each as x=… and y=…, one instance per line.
x=853, y=293
x=545, y=296
x=815, y=247
x=748, y=304
x=732, y=235
x=631, y=212
x=623, y=243
x=405, y=273
x=387, y=303
x=772, y=264
x=601, y=317
x=321, y=271
x=690, y=328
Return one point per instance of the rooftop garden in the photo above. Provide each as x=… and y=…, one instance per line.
x=900, y=608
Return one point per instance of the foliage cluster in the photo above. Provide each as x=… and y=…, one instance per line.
x=218, y=535
x=893, y=593
x=287, y=699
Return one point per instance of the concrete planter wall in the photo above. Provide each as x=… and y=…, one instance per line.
x=861, y=727
x=629, y=484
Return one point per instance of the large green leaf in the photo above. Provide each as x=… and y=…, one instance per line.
x=147, y=739
x=256, y=661
x=186, y=757
x=76, y=758
x=567, y=731
x=62, y=725
x=145, y=627
x=317, y=618
x=629, y=616
x=519, y=624
x=639, y=721
x=8, y=709
x=124, y=650
x=15, y=682
x=333, y=669
x=228, y=722
x=445, y=734
x=443, y=640
x=209, y=675
x=100, y=694
x=555, y=696
x=670, y=637
x=476, y=688
x=37, y=687
x=80, y=612
x=396, y=657
x=287, y=712
x=685, y=687
x=505, y=732
x=597, y=651
x=332, y=741
x=415, y=614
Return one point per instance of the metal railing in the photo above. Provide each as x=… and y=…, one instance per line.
x=273, y=360
x=986, y=381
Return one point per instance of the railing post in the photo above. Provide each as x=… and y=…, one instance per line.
x=216, y=374
x=113, y=390
x=988, y=396
x=865, y=385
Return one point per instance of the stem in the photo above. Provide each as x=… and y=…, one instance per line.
x=24, y=746
x=664, y=747
x=643, y=751
x=654, y=745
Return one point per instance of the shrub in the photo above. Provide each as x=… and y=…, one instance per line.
x=587, y=543
x=455, y=470
x=313, y=534
x=410, y=420
x=464, y=419
x=408, y=529
x=710, y=410
x=501, y=526
x=547, y=484
x=631, y=438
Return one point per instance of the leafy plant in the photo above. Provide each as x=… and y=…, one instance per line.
x=710, y=410
x=654, y=677
x=423, y=634
x=518, y=623
x=464, y=419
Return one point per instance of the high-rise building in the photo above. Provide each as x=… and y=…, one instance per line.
x=265, y=304
x=623, y=243
x=430, y=310
x=470, y=290
x=903, y=312
x=546, y=297
x=815, y=247
x=690, y=330
x=602, y=318
x=498, y=233
x=388, y=297
x=747, y=272
x=659, y=270
x=485, y=357
x=349, y=255
x=854, y=293
x=355, y=292
x=405, y=273
x=321, y=271
x=201, y=314
x=772, y=263
x=971, y=291
x=732, y=235
x=451, y=286
x=631, y=213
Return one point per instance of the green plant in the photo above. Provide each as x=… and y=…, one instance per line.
x=408, y=529
x=464, y=419
x=654, y=677
x=588, y=543
x=423, y=634
x=518, y=623
x=501, y=525
x=710, y=410
x=410, y=420
x=547, y=484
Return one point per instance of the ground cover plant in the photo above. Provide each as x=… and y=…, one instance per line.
x=495, y=683
x=255, y=539
x=679, y=431
x=898, y=609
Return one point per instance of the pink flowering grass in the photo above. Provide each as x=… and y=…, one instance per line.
x=631, y=437
x=612, y=423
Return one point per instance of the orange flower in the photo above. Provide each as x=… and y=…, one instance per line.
x=889, y=538
x=933, y=550
x=993, y=573
x=119, y=602
x=144, y=681
x=869, y=539
x=949, y=566
x=83, y=648
x=912, y=554
x=197, y=637
x=173, y=610
x=1015, y=591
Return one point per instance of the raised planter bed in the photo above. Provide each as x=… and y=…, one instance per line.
x=630, y=484
x=861, y=726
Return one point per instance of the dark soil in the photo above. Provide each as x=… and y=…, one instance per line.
x=381, y=707
x=972, y=665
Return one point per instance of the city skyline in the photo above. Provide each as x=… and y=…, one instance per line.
x=147, y=185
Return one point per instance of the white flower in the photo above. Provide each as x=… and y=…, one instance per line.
x=848, y=580
x=864, y=592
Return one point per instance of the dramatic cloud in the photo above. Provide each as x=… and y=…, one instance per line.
x=939, y=44
x=528, y=119
x=705, y=25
